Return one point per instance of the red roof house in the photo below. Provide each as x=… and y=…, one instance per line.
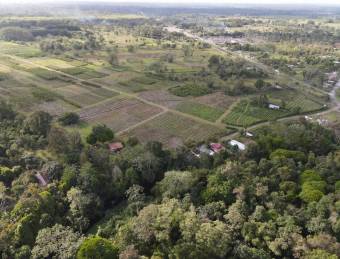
x=216, y=147
x=116, y=146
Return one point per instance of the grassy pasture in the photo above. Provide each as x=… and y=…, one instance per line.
x=20, y=50
x=200, y=110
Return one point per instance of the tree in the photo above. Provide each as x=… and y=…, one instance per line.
x=69, y=118
x=319, y=254
x=58, y=140
x=175, y=184
x=84, y=207
x=136, y=198
x=16, y=34
x=97, y=248
x=38, y=123
x=113, y=59
x=6, y=111
x=188, y=51
x=259, y=84
x=100, y=133
x=56, y=242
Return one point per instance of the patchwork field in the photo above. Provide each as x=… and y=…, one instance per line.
x=173, y=130
x=162, y=97
x=119, y=113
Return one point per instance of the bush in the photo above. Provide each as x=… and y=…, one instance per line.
x=16, y=34
x=97, y=248
x=190, y=90
x=69, y=118
x=309, y=175
x=100, y=133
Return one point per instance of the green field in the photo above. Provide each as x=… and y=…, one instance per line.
x=200, y=110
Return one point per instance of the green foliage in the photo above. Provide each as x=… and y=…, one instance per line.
x=16, y=34
x=6, y=111
x=42, y=94
x=309, y=175
x=97, y=248
x=100, y=133
x=319, y=254
x=56, y=242
x=69, y=118
x=284, y=153
x=190, y=90
x=175, y=184
x=312, y=191
x=38, y=123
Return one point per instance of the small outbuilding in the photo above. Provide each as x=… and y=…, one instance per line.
x=273, y=106
x=249, y=134
x=43, y=181
x=237, y=144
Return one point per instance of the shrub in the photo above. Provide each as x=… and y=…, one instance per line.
x=190, y=90
x=100, y=133
x=69, y=118
x=97, y=247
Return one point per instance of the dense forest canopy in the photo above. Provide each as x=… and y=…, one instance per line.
x=280, y=198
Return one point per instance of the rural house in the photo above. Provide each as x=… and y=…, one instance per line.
x=116, y=146
x=216, y=147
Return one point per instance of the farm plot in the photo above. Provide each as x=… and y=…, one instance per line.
x=55, y=108
x=294, y=99
x=173, y=130
x=143, y=83
x=200, y=110
x=52, y=63
x=245, y=114
x=83, y=96
x=162, y=97
x=115, y=78
x=83, y=72
x=119, y=113
x=216, y=100
x=19, y=50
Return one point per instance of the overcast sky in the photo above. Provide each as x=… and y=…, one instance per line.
x=310, y=2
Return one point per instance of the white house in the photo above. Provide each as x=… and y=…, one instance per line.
x=273, y=107
x=240, y=145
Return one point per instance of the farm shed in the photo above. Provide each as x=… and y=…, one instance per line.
x=273, y=107
x=238, y=144
x=43, y=181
